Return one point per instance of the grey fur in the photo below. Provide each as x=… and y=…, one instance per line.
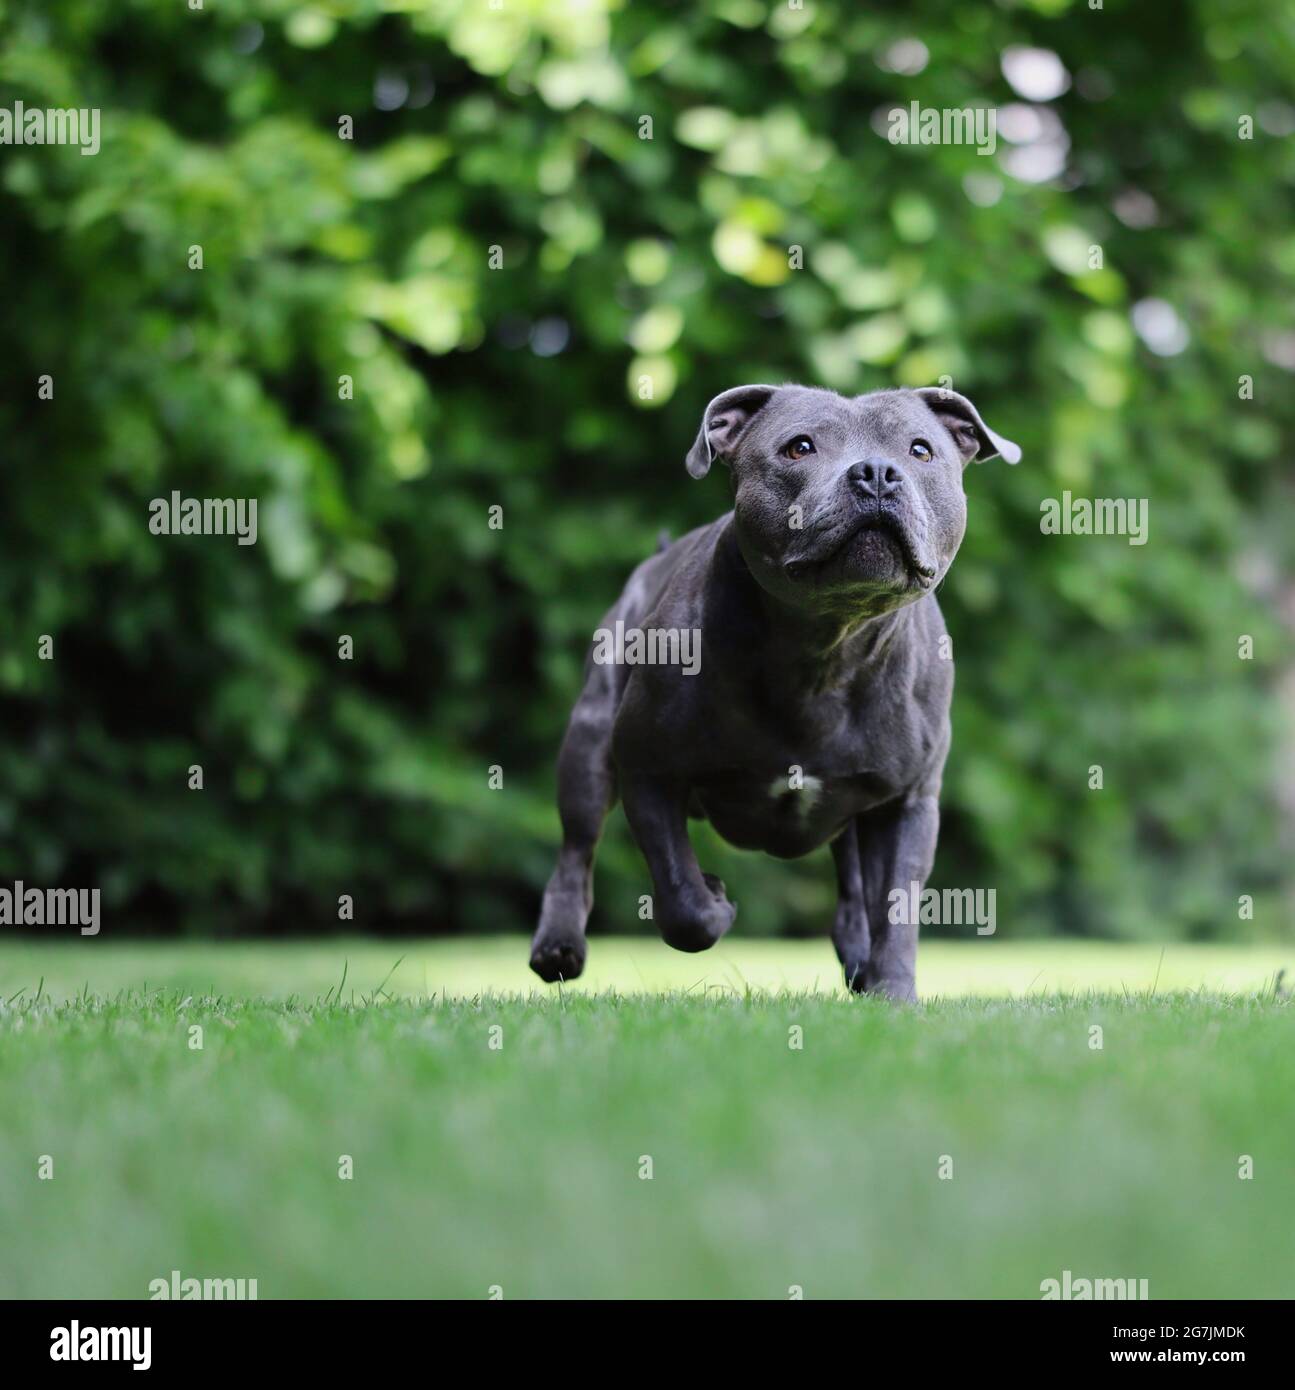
x=820, y=650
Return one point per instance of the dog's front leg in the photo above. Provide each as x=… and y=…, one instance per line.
x=850, y=933
x=896, y=851
x=689, y=907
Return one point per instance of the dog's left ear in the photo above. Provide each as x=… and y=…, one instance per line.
x=722, y=421
x=974, y=438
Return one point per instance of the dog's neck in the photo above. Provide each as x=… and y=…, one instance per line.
x=804, y=650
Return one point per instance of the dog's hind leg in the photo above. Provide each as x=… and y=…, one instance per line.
x=586, y=793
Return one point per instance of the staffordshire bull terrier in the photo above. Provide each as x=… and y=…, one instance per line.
x=818, y=712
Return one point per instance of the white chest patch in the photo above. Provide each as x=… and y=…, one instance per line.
x=805, y=789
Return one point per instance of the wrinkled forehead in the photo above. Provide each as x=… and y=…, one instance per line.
x=857, y=421
x=887, y=413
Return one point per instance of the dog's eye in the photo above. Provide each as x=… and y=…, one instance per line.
x=921, y=451
x=799, y=448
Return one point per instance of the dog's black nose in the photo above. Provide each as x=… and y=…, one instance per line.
x=876, y=477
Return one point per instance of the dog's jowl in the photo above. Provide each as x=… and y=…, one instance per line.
x=817, y=709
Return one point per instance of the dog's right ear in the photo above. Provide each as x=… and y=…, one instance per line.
x=722, y=422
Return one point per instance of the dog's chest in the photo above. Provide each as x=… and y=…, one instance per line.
x=788, y=791
x=791, y=813
x=789, y=808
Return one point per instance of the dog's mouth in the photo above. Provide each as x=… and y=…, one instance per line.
x=875, y=520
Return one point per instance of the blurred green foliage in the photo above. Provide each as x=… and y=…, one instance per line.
x=519, y=132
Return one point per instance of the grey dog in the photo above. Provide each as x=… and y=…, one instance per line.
x=819, y=710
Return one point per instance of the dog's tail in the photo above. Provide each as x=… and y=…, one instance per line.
x=663, y=542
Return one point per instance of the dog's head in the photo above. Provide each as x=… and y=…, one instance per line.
x=850, y=505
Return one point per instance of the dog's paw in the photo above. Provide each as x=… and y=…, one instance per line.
x=697, y=926
x=727, y=910
x=555, y=958
x=900, y=989
x=717, y=889
x=856, y=974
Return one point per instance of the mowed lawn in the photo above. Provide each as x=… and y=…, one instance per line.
x=722, y=1126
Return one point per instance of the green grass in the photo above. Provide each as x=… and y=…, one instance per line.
x=983, y=967
x=520, y=1167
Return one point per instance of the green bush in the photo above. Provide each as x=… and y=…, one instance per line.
x=515, y=138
